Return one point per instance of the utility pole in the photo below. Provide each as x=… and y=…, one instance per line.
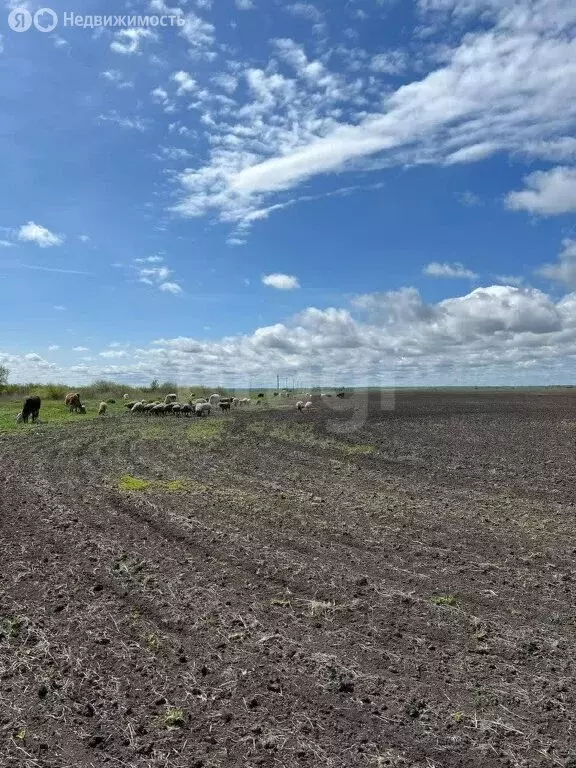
x=277, y=382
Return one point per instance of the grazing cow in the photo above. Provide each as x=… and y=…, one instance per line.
x=31, y=409
x=72, y=400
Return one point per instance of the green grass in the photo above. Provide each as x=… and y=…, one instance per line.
x=173, y=717
x=52, y=413
x=304, y=434
x=131, y=484
x=444, y=600
x=206, y=430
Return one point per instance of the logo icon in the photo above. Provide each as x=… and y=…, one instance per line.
x=20, y=19
x=45, y=20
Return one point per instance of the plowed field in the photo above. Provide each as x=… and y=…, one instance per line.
x=264, y=589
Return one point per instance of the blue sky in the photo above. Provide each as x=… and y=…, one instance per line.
x=347, y=192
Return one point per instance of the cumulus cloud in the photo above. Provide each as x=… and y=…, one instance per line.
x=41, y=236
x=435, y=269
x=281, y=282
x=53, y=347
x=564, y=270
x=548, y=193
x=80, y=349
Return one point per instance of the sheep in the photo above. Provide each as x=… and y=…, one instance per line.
x=202, y=409
x=214, y=399
x=224, y=406
x=307, y=405
x=341, y=394
x=31, y=408
x=126, y=396
x=102, y=408
x=200, y=401
x=130, y=405
x=260, y=395
x=176, y=409
x=300, y=405
x=170, y=398
x=235, y=402
x=186, y=409
x=137, y=408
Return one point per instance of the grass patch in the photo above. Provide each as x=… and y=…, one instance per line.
x=10, y=626
x=130, y=483
x=304, y=434
x=206, y=430
x=173, y=717
x=444, y=600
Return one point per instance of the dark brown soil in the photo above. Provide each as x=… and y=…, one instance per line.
x=398, y=595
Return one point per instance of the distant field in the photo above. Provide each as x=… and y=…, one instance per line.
x=273, y=589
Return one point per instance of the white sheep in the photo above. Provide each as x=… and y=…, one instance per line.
x=199, y=401
x=137, y=407
x=299, y=405
x=214, y=399
x=126, y=397
x=170, y=398
x=235, y=402
x=307, y=405
x=102, y=408
x=202, y=409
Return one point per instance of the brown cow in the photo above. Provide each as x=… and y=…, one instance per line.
x=72, y=401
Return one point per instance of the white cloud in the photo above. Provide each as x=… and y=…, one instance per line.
x=156, y=276
x=84, y=238
x=60, y=308
x=185, y=82
x=510, y=280
x=564, y=270
x=113, y=353
x=128, y=41
x=305, y=10
x=53, y=347
x=150, y=260
x=6, y=244
x=116, y=77
x=548, y=192
x=390, y=62
x=507, y=86
x=435, y=269
x=470, y=199
x=80, y=349
x=170, y=287
x=36, y=233
x=281, y=282
x=131, y=123
x=245, y=5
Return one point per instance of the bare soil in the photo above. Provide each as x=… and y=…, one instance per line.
x=285, y=593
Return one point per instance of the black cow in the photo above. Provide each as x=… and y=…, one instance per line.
x=31, y=409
